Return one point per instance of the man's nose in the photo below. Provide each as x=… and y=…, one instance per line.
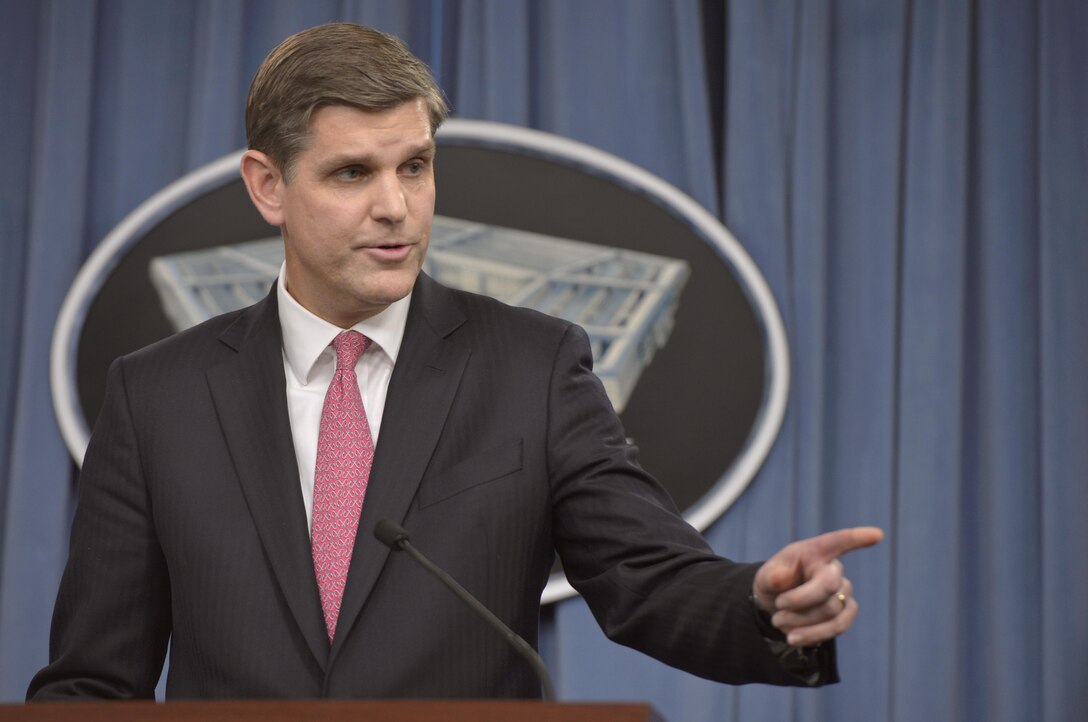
x=388, y=202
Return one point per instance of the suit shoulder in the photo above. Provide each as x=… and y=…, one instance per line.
x=497, y=314
x=192, y=347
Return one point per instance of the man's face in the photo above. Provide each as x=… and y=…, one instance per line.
x=356, y=214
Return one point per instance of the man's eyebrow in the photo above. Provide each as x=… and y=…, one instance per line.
x=368, y=159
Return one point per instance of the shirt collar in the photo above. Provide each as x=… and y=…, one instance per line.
x=305, y=336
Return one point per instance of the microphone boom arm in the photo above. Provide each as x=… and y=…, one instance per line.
x=396, y=538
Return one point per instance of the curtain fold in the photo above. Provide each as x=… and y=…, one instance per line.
x=909, y=175
x=1062, y=233
x=37, y=471
x=929, y=502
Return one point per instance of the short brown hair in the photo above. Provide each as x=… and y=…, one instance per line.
x=333, y=64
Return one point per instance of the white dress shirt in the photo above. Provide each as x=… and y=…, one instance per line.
x=309, y=362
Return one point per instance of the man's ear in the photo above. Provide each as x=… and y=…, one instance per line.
x=265, y=185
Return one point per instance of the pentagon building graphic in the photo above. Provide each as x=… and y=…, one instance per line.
x=625, y=300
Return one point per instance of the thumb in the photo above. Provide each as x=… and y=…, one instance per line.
x=778, y=575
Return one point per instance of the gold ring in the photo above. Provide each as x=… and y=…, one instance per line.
x=842, y=598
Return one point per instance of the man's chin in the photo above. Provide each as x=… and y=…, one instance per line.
x=393, y=289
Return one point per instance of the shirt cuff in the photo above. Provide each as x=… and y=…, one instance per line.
x=806, y=664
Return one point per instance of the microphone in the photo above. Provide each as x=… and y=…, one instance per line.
x=396, y=538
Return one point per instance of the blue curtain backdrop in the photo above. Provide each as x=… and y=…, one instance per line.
x=911, y=176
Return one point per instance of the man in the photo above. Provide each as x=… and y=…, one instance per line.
x=237, y=471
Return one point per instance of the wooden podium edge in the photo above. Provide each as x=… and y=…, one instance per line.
x=331, y=710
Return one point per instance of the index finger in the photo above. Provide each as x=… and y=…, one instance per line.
x=836, y=543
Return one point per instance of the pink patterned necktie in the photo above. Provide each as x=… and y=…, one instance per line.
x=345, y=452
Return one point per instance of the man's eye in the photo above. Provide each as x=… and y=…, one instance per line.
x=352, y=173
x=414, y=167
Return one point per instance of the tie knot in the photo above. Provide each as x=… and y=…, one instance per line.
x=349, y=346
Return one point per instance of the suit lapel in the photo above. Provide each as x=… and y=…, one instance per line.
x=421, y=391
x=249, y=394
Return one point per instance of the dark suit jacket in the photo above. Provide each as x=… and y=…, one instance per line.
x=498, y=446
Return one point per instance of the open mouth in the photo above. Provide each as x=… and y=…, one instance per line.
x=391, y=252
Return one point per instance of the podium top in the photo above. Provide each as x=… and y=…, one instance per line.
x=330, y=710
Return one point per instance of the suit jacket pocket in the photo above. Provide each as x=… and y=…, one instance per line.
x=493, y=464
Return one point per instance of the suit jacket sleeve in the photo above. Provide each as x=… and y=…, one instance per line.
x=649, y=578
x=112, y=618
